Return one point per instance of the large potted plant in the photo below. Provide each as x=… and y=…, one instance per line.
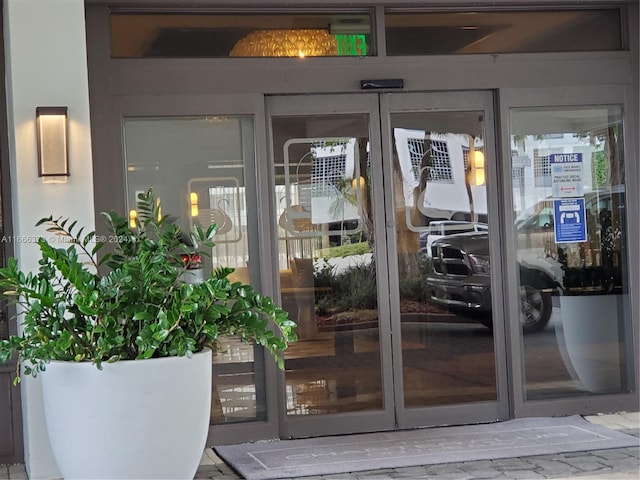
x=123, y=344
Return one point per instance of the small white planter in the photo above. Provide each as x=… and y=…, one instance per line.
x=591, y=328
x=140, y=419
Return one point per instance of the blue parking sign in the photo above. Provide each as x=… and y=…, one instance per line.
x=569, y=220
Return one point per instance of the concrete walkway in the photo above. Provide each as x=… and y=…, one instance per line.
x=614, y=464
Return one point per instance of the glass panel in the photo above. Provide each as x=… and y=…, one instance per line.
x=570, y=200
x=412, y=33
x=166, y=35
x=443, y=258
x=197, y=167
x=327, y=273
x=4, y=314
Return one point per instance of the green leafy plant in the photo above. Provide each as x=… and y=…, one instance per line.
x=347, y=250
x=135, y=302
x=351, y=289
x=412, y=283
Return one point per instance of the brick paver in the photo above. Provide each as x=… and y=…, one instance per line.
x=612, y=464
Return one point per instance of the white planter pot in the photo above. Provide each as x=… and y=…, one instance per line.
x=590, y=341
x=140, y=419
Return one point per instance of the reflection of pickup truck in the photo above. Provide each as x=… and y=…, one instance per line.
x=441, y=228
x=461, y=271
x=461, y=281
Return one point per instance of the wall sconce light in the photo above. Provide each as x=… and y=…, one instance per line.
x=133, y=219
x=51, y=129
x=358, y=183
x=476, y=158
x=193, y=200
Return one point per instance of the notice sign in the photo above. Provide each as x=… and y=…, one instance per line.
x=566, y=174
x=569, y=220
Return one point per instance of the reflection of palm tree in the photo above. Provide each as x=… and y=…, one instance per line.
x=364, y=184
x=610, y=166
x=345, y=194
x=420, y=191
x=616, y=170
x=467, y=176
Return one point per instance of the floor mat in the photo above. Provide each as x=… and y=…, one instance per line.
x=349, y=453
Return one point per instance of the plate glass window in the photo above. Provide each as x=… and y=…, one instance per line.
x=444, y=278
x=197, y=167
x=178, y=35
x=327, y=273
x=472, y=32
x=571, y=243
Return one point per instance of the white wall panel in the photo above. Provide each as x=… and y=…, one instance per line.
x=46, y=65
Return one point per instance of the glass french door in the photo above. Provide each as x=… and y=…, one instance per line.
x=369, y=191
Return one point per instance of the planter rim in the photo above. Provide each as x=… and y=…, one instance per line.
x=91, y=363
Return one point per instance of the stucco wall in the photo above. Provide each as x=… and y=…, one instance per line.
x=46, y=65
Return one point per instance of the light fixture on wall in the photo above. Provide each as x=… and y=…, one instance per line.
x=476, y=160
x=53, y=154
x=310, y=42
x=358, y=183
x=133, y=218
x=159, y=207
x=193, y=201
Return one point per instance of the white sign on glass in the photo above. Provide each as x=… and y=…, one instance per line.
x=566, y=174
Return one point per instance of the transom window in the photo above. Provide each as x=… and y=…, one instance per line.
x=350, y=33
x=179, y=35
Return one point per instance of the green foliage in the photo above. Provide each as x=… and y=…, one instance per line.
x=355, y=288
x=413, y=281
x=352, y=289
x=600, y=169
x=344, y=195
x=345, y=250
x=604, y=273
x=141, y=307
x=324, y=275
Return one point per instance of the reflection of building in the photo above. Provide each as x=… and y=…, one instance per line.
x=445, y=157
x=532, y=167
x=436, y=165
x=154, y=98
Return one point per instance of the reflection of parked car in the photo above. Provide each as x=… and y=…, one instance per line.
x=461, y=271
x=537, y=219
x=441, y=228
x=461, y=281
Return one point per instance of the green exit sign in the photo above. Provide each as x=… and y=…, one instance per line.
x=354, y=45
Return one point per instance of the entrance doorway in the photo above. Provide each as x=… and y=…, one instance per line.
x=381, y=222
x=369, y=190
x=399, y=357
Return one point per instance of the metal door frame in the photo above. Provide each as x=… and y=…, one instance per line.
x=110, y=145
x=449, y=102
x=394, y=415
x=575, y=96
x=318, y=425
x=190, y=78
x=11, y=450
